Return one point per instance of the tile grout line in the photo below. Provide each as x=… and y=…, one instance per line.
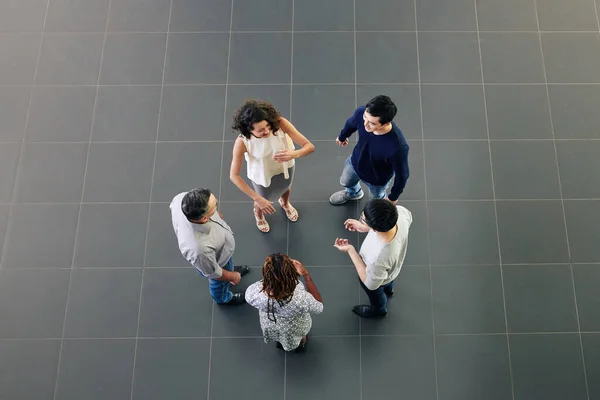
x=487, y=128
x=87, y=159
x=160, y=101
x=597, y=15
x=562, y=201
x=427, y=219
x=257, y=32
x=212, y=312
x=22, y=142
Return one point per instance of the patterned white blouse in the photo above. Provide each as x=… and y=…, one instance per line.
x=292, y=320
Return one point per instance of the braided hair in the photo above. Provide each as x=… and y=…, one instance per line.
x=280, y=278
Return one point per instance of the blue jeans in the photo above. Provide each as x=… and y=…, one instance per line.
x=377, y=297
x=219, y=290
x=350, y=181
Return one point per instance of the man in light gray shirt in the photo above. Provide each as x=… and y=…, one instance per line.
x=207, y=242
x=381, y=254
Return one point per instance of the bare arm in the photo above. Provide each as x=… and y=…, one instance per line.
x=311, y=288
x=306, y=147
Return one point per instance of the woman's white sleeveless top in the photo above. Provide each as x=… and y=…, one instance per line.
x=259, y=157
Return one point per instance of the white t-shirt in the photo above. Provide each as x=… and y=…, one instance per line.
x=384, y=260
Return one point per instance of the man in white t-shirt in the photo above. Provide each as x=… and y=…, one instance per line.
x=381, y=254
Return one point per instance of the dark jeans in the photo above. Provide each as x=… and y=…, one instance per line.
x=377, y=297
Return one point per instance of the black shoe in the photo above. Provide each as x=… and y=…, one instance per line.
x=242, y=269
x=302, y=346
x=367, y=312
x=389, y=292
x=238, y=298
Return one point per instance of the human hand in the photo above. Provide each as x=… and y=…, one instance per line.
x=342, y=245
x=352, y=225
x=235, y=278
x=264, y=205
x=299, y=268
x=342, y=144
x=284, y=155
x=394, y=202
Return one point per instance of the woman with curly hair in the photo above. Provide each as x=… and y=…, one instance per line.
x=284, y=305
x=266, y=140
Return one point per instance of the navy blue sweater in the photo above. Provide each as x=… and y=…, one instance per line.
x=376, y=158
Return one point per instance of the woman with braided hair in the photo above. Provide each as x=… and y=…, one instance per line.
x=284, y=305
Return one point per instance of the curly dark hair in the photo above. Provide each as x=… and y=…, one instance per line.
x=280, y=278
x=253, y=111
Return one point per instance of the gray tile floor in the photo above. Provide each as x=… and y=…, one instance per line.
x=108, y=108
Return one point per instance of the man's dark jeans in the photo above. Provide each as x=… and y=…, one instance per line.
x=377, y=297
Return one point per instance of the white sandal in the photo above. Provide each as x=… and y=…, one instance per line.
x=261, y=223
x=290, y=211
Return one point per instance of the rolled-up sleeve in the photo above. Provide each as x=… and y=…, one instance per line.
x=206, y=264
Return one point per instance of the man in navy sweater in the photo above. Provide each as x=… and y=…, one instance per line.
x=381, y=153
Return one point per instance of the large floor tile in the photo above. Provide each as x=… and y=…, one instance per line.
x=409, y=311
x=386, y=15
x=574, y=111
x=473, y=367
x=339, y=288
x=253, y=246
x=262, y=46
x=578, y=15
x=435, y=15
x=95, y=369
x=138, y=16
x=126, y=113
x=162, y=249
x=578, y=163
x=19, y=54
x=171, y=368
x=182, y=167
x=14, y=105
x=32, y=303
x=334, y=15
x=77, y=15
x=418, y=237
x=311, y=238
x=518, y=112
x=133, y=59
x=320, y=111
x=103, y=303
x=192, y=113
x=572, y=57
x=508, y=15
x=111, y=235
x=397, y=66
x=278, y=95
x=61, y=114
x=248, y=354
x=263, y=15
x=23, y=15
x=186, y=63
x=587, y=278
x=453, y=112
x=242, y=321
x=532, y=232
x=29, y=244
x=449, y=163
x=323, y=58
x=539, y=298
x=583, y=218
x=449, y=57
x=22, y=359
x=119, y=172
x=547, y=366
x=407, y=100
x=519, y=164
x=398, y=367
x=51, y=173
x=511, y=58
x=330, y=364
x=463, y=233
x=454, y=306
x=591, y=347
x=70, y=59
x=193, y=15
x=9, y=161
x=175, y=303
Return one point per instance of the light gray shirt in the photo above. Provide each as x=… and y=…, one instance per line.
x=384, y=260
x=208, y=247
